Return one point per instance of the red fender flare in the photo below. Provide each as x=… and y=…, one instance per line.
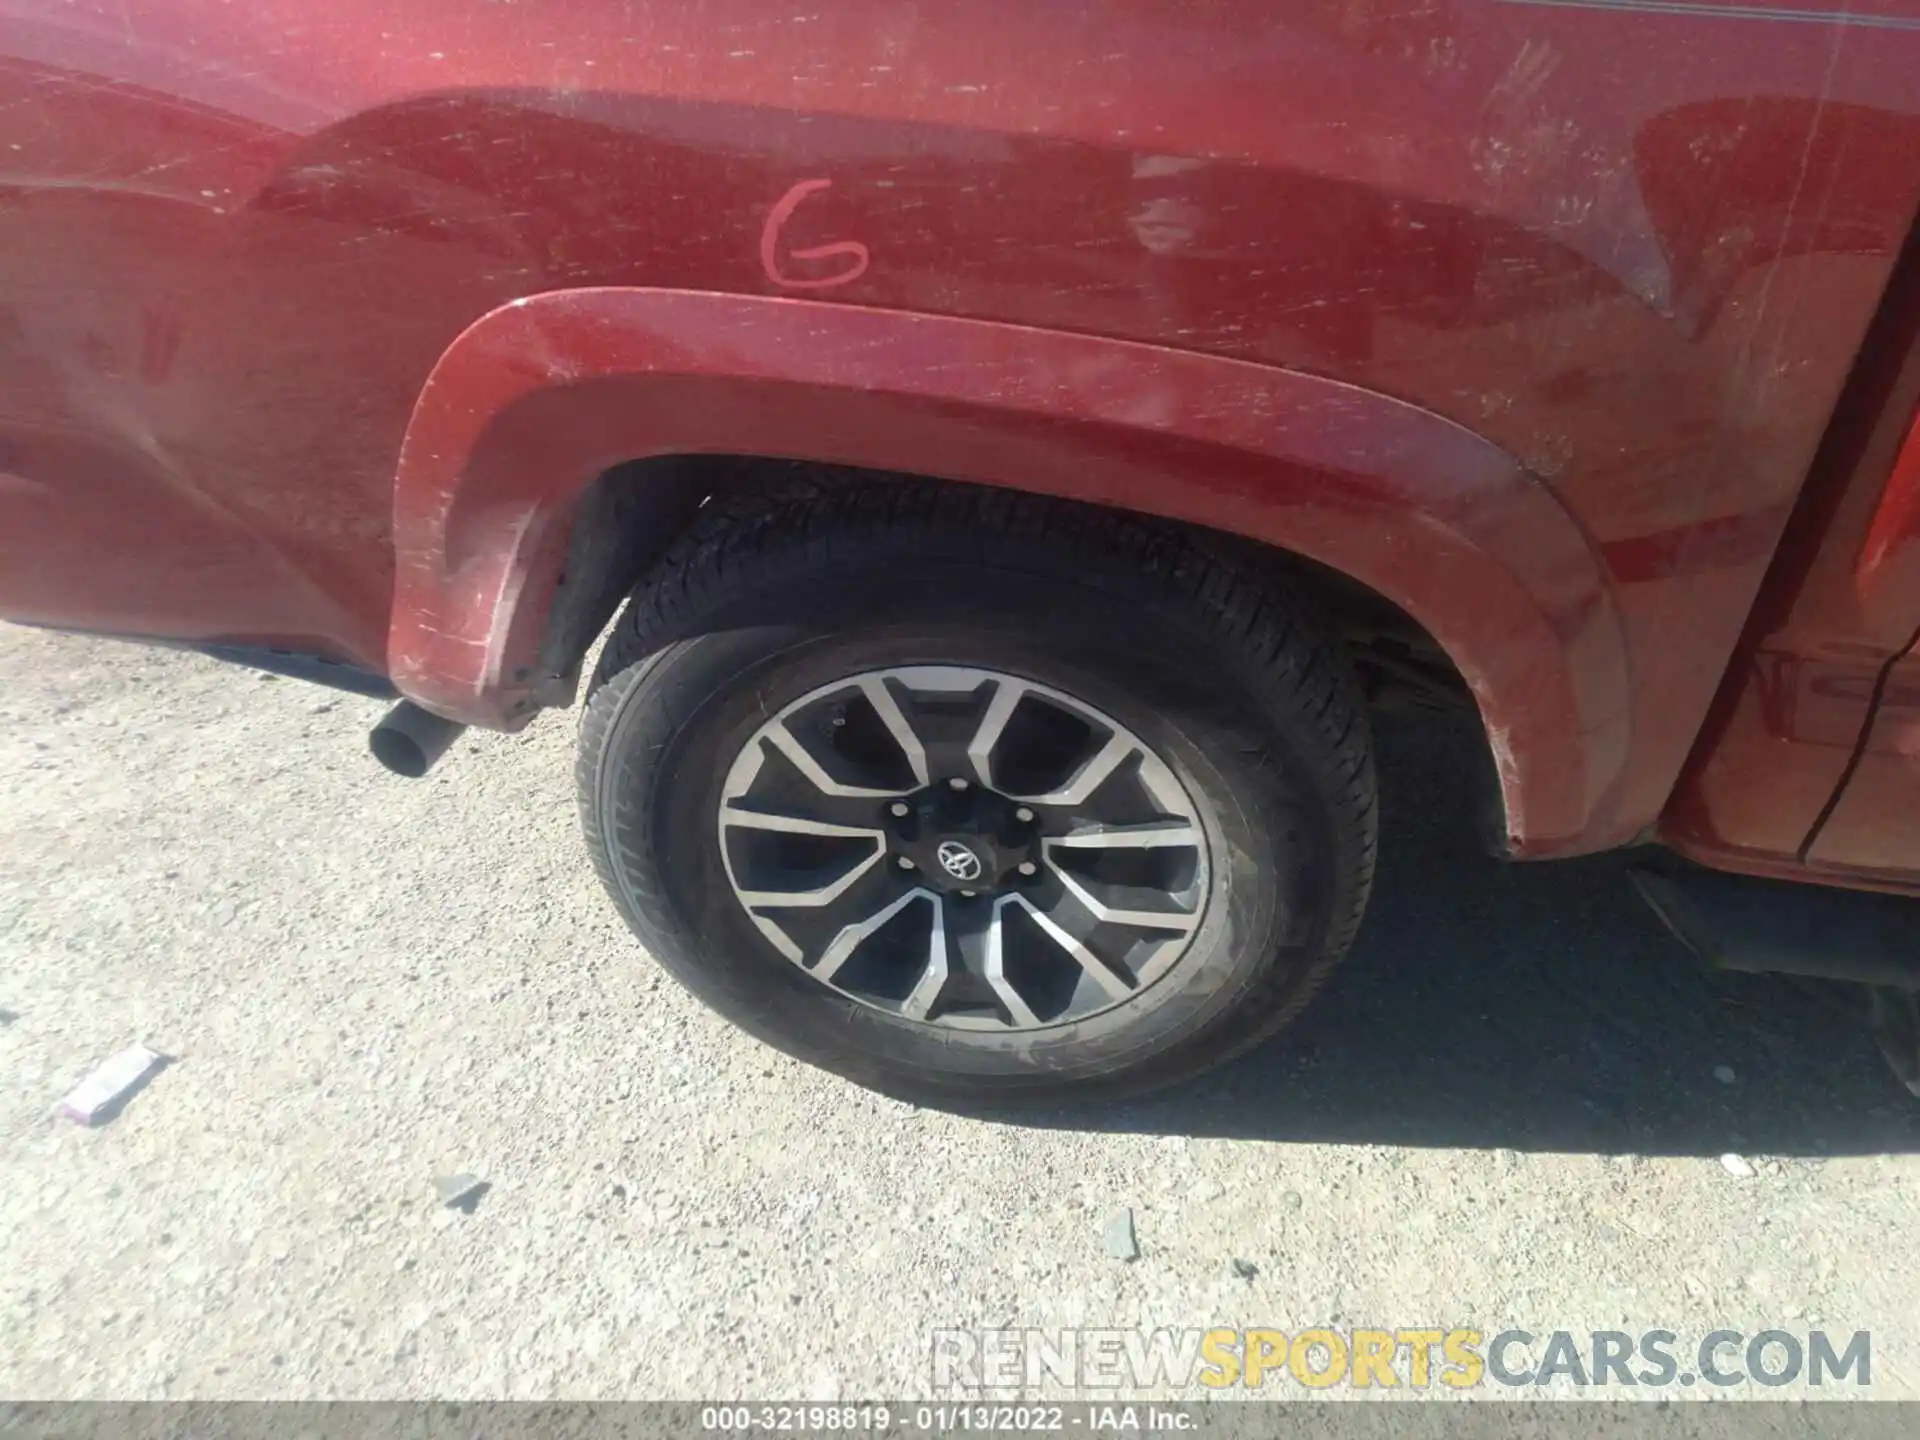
x=536, y=399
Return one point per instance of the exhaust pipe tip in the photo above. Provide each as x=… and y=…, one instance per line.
x=409, y=740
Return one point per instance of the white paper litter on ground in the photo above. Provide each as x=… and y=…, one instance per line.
x=99, y=1096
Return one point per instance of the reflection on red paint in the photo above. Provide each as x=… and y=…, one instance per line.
x=770, y=245
x=1896, y=524
x=1722, y=543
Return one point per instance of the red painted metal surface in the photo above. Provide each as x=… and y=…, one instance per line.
x=1873, y=828
x=1873, y=831
x=1888, y=575
x=564, y=385
x=1632, y=248
x=1796, y=724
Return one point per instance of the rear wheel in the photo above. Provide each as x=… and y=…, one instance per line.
x=969, y=796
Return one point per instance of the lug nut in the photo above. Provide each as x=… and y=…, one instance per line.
x=1023, y=815
x=1027, y=867
x=898, y=808
x=956, y=783
x=905, y=863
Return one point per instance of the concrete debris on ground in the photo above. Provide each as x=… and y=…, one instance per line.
x=1736, y=1166
x=1118, y=1237
x=116, y=1080
x=1724, y=1074
x=365, y=984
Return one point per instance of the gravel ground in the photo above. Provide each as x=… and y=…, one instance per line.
x=1505, y=1111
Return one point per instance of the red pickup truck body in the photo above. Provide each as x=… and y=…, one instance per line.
x=1583, y=331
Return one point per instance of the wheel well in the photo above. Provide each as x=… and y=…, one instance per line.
x=632, y=513
x=540, y=396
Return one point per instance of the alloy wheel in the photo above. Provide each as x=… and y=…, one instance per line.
x=964, y=848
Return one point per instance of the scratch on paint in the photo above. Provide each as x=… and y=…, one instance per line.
x=1793, y=202
x=1696, y=10
x=1532, y=67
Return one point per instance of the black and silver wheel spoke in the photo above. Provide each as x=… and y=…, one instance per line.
x=1094, y=970
x=963, y=848
x=830, y=887
x=1077, y=860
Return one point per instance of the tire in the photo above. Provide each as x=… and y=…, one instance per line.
x=1108, y=630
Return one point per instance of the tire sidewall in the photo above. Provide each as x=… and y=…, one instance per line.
x=682, y=715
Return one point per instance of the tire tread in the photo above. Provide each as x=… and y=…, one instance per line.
x=803, y=520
